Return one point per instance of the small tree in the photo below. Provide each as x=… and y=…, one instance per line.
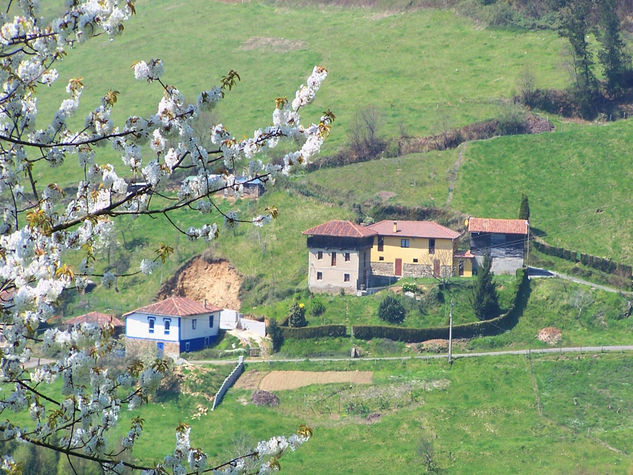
x=317, y=307
x=524, y=209
x=276, y=335
x=391, y=310
x=484, y=299
x=297, y=315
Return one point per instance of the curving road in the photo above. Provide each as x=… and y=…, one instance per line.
x=536, y=351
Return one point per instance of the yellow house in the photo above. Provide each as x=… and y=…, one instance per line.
x=416, y=249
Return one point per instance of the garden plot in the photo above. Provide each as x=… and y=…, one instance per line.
x=280, y=380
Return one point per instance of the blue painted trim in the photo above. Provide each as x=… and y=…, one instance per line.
x=150, y=339
x=196, y=344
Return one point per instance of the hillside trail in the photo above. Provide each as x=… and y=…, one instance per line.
x=452, y=175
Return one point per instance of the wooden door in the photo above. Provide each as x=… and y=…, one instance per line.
x=398, y=267
x=436, y=267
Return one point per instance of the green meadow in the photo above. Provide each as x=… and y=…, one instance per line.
x=425, y=69
x=493, y=415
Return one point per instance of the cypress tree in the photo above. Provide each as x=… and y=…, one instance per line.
x=524, y=209
x=276, y=335
x=484, y=298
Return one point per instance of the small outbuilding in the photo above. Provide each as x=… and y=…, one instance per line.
x=504, y=240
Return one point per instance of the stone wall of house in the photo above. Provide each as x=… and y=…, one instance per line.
x=139, y=348
x=417, y=270
x=382, y=268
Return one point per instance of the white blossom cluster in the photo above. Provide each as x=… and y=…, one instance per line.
x=40, y=223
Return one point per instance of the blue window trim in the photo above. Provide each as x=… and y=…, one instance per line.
x=151, y=322
x=211, y=319
x=166, y=325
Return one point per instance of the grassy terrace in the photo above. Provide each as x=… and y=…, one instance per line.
x=501, y=415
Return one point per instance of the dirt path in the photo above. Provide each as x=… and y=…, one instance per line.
x=452, y=175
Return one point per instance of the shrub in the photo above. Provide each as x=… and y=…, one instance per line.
x=317, y=307
x=391, y=310
x=276, y=334
x=409, y=287
x=264, y=398
x=297, y=315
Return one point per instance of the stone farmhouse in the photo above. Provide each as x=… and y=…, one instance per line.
x=504, y=240
x=350, y=257
x=170, y=327
x=339, y=256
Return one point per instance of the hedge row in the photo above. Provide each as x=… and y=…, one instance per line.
x=468, y=330
x=314, y=332
x=604, y=265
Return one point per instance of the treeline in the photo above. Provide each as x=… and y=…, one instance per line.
x=588, y=97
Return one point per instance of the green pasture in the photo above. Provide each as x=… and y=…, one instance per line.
x=492, y=415
x=577, y=181
x=425, y=70
x=419, y=179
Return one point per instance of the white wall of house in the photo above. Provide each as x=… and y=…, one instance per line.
x=202, y=327
x=228, y=319
x=254, y=326
x=137, y=326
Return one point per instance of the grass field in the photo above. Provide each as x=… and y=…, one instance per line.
x=577, y=182
x=501, y=415
x=425, y=70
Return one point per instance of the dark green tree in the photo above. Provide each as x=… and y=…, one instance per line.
x=613, y=57
x=484, y=299
x=275, y=334
x=297, y=315
x=524, y=209
x=574, y=24
x=391, y=310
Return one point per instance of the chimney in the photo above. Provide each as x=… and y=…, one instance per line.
x=204, y=303
x=395, y=226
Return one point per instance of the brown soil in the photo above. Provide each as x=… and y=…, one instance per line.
x=203, y=278
x=250, y=379
x=278, y=380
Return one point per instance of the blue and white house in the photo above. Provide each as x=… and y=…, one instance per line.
x=170, y=327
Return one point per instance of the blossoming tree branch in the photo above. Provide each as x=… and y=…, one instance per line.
x=39, y=226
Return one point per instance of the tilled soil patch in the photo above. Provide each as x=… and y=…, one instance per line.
x=279, y=380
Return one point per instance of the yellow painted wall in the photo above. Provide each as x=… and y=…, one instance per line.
x=468, y=267
x=418, y=249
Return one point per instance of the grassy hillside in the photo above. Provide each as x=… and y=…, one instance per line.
x=501, y=415
x=274, y=256
x=425, y=70
x=578, y=183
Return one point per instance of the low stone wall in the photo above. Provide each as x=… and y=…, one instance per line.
x=138, y=347
x=417, y=270
x=228, y=382
x=382, y=268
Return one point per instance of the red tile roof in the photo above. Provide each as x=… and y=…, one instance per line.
x=467, y=254
x=425, y=229
x=176, y=307
x=95, y=318
x=504, y=226
x=340, y=228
